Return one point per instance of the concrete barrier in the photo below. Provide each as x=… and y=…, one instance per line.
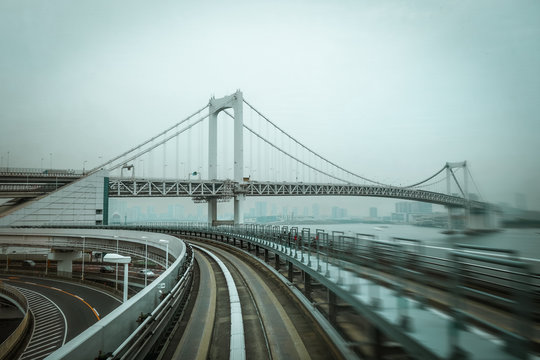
x=16, y=297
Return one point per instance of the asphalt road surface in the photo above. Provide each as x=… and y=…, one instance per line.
x=62, y=311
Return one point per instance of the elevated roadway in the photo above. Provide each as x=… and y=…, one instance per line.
x=379, y=297
x=341, y=278
x=30, y=183
x=202, y=190
x=27, y=183
x=62, y=310
x=274, y=324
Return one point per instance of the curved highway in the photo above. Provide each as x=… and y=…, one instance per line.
x=275, y=327
x=62, y=310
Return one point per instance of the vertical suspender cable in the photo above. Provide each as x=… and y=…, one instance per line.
x=164, y=158
x=250, y=144
x=177, y=156
x=188, y=158
x=259, y=163
x=200, y=151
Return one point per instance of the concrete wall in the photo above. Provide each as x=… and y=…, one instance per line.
x=79, y=203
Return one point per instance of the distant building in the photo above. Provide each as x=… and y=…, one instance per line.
x=338, y=213
x=315, y=211
x=406, y=209
x=372, y=212
x=414, y=207
x=115, y=219
x=260, y=209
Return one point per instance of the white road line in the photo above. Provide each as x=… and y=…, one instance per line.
x=47, y=317
x=34, y=353
x=42, y=318
x=48, y=329
x=45, y=339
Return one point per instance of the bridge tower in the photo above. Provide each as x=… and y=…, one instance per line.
x=234, y=101
x=465, y=191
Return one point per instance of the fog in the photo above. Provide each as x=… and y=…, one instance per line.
x=389, y=89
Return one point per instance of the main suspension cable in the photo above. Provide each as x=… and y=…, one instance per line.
x=332, y=163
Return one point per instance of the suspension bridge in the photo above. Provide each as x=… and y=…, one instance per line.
x=214, y=156
x=227, y=151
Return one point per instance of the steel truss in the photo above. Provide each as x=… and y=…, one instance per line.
x=202, y=190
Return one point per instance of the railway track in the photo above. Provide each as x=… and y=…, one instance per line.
x=427, y=283
x=274, y=324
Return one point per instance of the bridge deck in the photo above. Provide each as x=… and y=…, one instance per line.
x=224, y=189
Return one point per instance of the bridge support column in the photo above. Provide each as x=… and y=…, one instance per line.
x=332, y=307
x=376, y=340
x=265, y=255
x=238, y=202
x=290, y=273
x=276, y=263
x=64, y=261
x=482, y=220
x=450, y=225
x=212, y=211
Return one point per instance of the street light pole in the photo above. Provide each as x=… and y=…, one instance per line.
x=126, y=271
x=145, y=260
x=119, y=259
x=116, y=282
x=82, y=274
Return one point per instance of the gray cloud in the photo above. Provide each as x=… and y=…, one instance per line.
x=404, y=87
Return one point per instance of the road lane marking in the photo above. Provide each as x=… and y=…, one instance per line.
x=43, y=326
x=65, y=292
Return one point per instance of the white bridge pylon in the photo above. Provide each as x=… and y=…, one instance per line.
x=236, y=102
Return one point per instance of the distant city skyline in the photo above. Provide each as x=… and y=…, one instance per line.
x=326, y=207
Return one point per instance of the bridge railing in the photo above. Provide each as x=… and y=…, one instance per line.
x=13, y=171
x=518, y=300
x=402, y=266
x=17, y=336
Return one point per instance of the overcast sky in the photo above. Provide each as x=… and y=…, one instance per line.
x=388, y=89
